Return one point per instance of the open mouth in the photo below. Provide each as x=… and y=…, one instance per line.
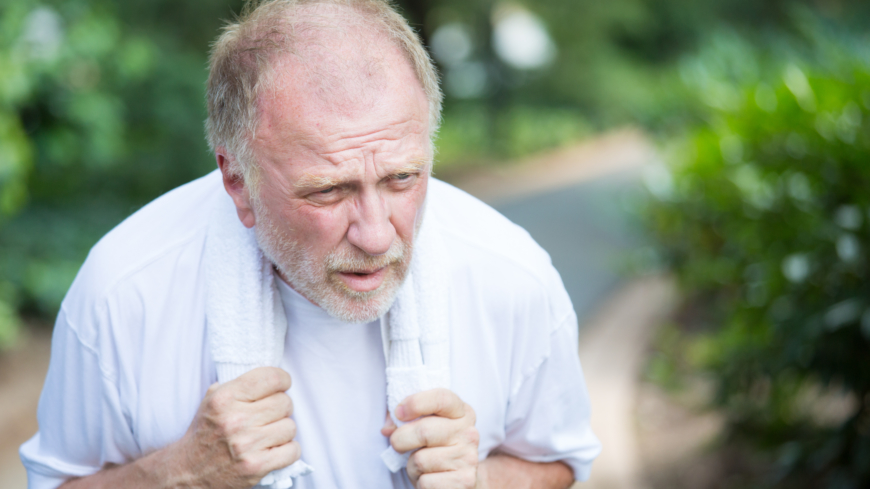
x=364, y=281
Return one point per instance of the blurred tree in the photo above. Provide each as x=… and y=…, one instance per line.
x=613, y=63
x=764, y=217
x=101, y=109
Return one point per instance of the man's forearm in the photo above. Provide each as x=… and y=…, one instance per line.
x=159, y=470
x=500, y=471
x=155, y=471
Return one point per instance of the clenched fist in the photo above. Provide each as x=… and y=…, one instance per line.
x=444, y=436
x=241, y=432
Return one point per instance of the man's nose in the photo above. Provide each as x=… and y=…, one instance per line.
x=370, y=229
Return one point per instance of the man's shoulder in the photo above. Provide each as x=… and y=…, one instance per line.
x=499, y=254
x=462, y=217
x=162, y=229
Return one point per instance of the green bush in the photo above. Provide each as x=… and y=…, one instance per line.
x=764, y=214
x=101, y=109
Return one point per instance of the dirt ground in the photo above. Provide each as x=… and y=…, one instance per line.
x=22, y=372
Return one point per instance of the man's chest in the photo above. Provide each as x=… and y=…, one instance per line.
x=339, y=399
x=339, y=394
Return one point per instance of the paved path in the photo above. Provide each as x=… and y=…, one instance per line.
x=573, y=202
x=587, y=232
x=612, y=351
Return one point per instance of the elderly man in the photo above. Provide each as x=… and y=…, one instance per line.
x=453, y=325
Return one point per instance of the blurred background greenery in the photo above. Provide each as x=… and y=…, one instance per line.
x=762, y=210
x=759, y=205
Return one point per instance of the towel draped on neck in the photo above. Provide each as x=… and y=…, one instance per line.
x=247, y=325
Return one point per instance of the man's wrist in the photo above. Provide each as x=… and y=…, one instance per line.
x=166, y=469
x=163, y=469
x=482, y=481
x=504, y=471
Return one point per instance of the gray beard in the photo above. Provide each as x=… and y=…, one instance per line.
x=319, y=281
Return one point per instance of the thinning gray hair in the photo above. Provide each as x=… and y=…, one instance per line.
x=243, y=55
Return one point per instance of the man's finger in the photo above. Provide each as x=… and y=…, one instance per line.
x=269, y=409
x=438, y=402
x=462, y=479
x=282, y=456
x=259, y=383
x=389, y=426
x=432, y=431
x=441, y=459
x=276, y=434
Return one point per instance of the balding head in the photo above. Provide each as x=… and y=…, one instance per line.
x=336, y=52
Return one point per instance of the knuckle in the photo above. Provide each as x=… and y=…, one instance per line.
x=424, y=433
x=289, y=426
x=469, y=412
x=420, y=461
x=265, y=376
x=426, y=482
x=472, y=436
x=287, y=404
x=410, y=404
x=444, y=398
x=219, y=400
x=239, y=446
x=232, y=423
x=276, y=377
x=295, y=452
x=250, y=466
x=214, y=402
x=470, y=458
x=468, y=478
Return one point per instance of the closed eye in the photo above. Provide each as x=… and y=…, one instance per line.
x=327, y=190
x=402, y=176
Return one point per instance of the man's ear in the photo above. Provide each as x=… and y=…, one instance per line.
x=235, y=186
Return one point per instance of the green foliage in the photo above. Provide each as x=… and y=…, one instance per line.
x=471, y=132
x=765, y=217
x=614, y=59
x=100, y=111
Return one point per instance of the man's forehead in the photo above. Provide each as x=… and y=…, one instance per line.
x=343, y=66
x=314, y=103
x=303, y=95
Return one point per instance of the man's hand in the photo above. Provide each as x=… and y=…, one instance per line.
x=241, y=432
x=445, y=436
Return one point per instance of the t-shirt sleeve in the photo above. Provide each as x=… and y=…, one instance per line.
x=548, y=414
x=81, y=423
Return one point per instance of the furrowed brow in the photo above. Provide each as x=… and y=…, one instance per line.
x=412, y=166
x=316, y=181
x=310, y=180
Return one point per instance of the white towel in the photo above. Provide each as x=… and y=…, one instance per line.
x=247, y=325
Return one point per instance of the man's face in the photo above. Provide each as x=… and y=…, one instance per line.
x=343, y=182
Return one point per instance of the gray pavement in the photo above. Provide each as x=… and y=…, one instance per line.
x=576, y=206
x=588, y=231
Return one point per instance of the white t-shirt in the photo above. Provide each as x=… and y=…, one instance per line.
x=337, y=369
x=130, y=360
